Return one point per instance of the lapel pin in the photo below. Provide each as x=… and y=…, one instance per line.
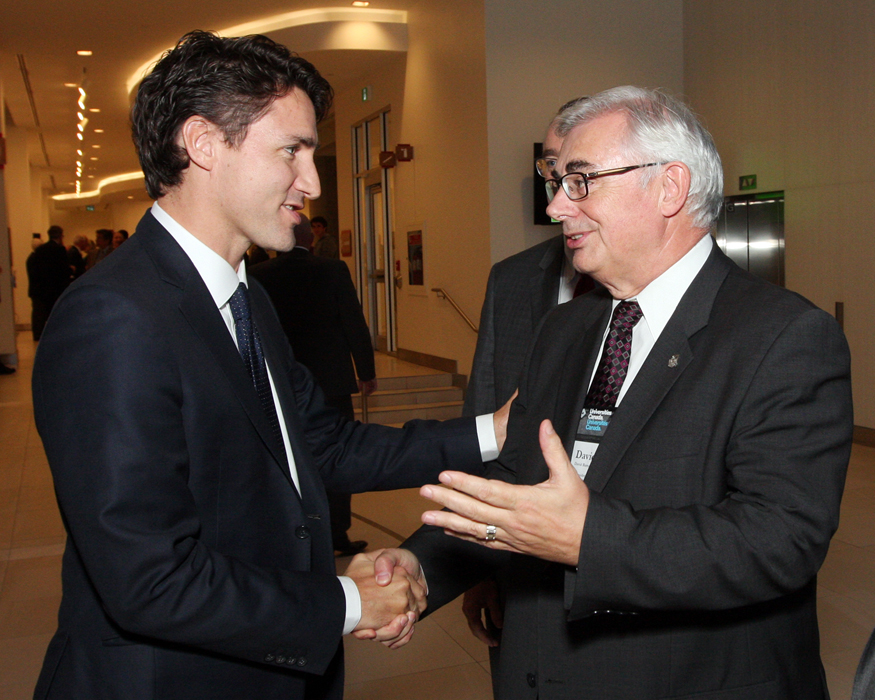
x=673, y=360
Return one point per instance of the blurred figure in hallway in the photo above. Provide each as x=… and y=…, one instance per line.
x=320, y=312
x=48, y=275
x=325, y=244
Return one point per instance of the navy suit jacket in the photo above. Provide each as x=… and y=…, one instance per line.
x=713, y=497
x=193, y=568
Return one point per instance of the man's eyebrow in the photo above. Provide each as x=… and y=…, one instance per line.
x=306, y=141
x=577, y=166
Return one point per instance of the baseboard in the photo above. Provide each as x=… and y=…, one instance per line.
x=442, y=364
x=864, y=436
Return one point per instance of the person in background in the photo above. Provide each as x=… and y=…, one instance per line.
x=103, y=239
x=325, y=244
x=76, y=255
x=48, y=275
x=321, y=315
x=521, y=291
x=119, y=237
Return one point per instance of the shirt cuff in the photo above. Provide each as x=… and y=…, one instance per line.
x=353, y=603
x=486, y=437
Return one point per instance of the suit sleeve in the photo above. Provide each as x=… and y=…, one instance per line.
x=480, y=395
x=358, y=337
x=120, y=464
x=785, y=464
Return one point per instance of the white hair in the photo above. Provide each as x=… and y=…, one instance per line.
x=661, y=129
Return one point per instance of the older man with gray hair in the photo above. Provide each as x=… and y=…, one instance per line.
x=676, y=457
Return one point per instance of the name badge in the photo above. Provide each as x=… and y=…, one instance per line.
x=591, y=429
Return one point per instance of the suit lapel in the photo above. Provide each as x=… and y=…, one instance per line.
x=665, y=364
x=544, y=285
x=199, y=309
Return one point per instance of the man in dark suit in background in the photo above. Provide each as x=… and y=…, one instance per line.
x=199, y=563
x=48, y=275
x=320, y=312
x=521, y=291
x=677, y=452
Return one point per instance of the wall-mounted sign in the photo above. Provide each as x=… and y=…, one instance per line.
x=387, y=159
x=404, y=151
x=747, y=182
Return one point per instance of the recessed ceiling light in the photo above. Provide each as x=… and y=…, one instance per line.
x=130, y=196
x=93, y=158
x=70, y=85
x=94, y=109
x=84, y=53
x=95, y=145
x=360, y=3
x=98, y=131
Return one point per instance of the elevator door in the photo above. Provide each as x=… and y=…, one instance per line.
x=750, y=230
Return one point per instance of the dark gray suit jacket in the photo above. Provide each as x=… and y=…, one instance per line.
x=193, y=569
x=521, y=290
x=714, y=495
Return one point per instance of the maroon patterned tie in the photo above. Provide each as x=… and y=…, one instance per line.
x=612, y=368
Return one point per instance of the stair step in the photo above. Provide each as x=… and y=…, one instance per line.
x=417, y=381
x=399, y=397
x=439, y=410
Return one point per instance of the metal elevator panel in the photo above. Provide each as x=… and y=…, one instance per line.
x=750, y=230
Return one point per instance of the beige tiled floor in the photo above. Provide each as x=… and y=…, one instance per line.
x=443, y=662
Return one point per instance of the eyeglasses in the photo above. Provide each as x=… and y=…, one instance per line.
x=545, y=166
x=576, y=185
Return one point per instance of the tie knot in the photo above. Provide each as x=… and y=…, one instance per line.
x=239, y=303
x=626, y=315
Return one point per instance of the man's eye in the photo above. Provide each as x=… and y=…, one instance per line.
x=292, y=150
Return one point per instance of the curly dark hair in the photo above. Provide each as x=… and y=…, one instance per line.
x=231, y=82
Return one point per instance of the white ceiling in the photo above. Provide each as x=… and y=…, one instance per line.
x=38, y=44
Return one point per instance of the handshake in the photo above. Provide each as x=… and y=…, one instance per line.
x=392, y=590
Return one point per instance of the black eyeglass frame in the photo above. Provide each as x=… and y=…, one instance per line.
x=553, y=190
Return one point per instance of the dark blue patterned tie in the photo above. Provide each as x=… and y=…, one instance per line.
x=249, y=344
x=614, y=364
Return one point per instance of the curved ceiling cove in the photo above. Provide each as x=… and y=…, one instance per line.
x=328, y=28
x=323, y=29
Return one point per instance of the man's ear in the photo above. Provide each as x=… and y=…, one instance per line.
x=201, y=140
x=675, y=181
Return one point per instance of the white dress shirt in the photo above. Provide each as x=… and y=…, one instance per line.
x=658, y=301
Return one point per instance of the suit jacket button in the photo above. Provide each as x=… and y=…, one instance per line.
x=280, y=659
x=291, y=661
x=302, y=532
x=531, y=680
x=302, y=661
x=269, y=658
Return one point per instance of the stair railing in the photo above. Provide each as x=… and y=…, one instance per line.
x=442, y=294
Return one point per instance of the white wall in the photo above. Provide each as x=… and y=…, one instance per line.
x=786, y=88
x=541, y=54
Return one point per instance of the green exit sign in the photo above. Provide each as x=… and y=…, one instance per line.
x=747, y=182
x=89, y=207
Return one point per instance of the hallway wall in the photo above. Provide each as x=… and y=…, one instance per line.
x=786, y=89
x=539, y=56
x=438, y=106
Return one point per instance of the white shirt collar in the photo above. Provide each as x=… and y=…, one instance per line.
x=221, y=279
x=660, y=298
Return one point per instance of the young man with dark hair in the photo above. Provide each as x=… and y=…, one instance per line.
x=199, y=562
